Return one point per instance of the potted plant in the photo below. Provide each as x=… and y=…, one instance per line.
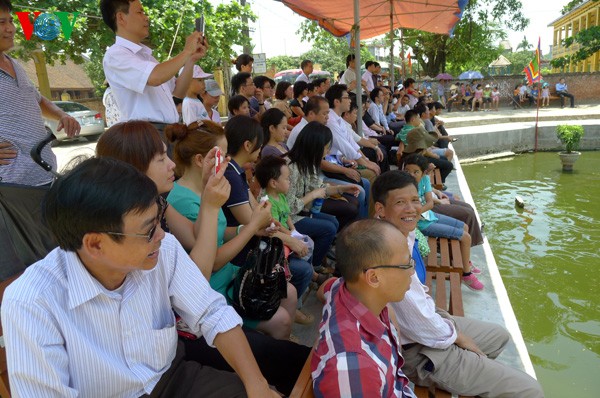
x=570, y=135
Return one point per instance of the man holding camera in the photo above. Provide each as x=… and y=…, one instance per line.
x=143, y=87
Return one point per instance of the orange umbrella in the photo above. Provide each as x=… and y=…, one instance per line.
x=435, y=16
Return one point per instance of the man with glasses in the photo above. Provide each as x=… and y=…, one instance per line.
x=267, y=85
x=345, y=150
x=454, y=353
x=242, y=84
x=358, y=353
x=95, y=318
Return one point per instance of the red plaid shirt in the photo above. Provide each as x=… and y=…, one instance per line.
x=358, y=354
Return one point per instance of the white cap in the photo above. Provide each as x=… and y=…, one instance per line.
x=198, y=73
x=212, y=88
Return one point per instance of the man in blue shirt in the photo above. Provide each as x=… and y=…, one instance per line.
x=562, y=92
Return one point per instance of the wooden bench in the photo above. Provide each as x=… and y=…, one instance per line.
x=304, y=387
x=447, y=267
x=435, y=176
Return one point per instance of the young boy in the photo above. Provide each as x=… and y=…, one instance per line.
x=358, y=353
x=192, y=109
x=273, y=175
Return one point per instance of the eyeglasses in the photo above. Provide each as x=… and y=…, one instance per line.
x=411, y=264
x=345, y=96
x=162, y=208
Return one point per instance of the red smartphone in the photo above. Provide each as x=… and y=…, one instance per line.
x=218, y=160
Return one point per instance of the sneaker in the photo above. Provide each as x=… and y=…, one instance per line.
x=474, y=269
x=472, y=282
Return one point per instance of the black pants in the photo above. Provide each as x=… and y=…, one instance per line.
x=442, y=143
x=371, y=154
x=562, y=95
x=444, y=165
x=280, y=361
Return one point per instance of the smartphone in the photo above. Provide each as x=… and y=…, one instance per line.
x=218, y=160
x=200, y=25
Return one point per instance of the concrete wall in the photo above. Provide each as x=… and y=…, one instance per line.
x=520, y=137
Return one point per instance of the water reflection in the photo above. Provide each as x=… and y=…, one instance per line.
x=549, y=256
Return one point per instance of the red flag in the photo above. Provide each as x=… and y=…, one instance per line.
x=532, y=71
x=409, y=64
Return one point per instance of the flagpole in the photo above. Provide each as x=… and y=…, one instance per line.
x=539, y=91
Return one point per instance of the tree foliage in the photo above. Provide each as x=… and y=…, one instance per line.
x=91, y=36
x=474, y=44
x=587, y=40
x=284, y=62
x=524, y=44
x=519, y=60
x=327, y=50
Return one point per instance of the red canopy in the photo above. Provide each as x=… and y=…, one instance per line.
x=337, y=16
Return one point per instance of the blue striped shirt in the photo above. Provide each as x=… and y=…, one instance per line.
x=67, y=336
x=21, y=124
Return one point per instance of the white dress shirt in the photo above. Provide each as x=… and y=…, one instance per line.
x=343, y=143
x=127, y=67
x=192, y=110
x=302, y=78
x=417, y=319
x=295, y=131
x=348, y=77
x=68, y=336
x=368, y=78
x=376, y=112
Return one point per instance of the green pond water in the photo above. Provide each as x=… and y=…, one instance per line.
x=549, y=257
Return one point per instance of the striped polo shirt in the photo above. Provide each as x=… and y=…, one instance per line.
x=22, y=125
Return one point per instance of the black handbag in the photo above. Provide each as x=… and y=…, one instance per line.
x=261, y=284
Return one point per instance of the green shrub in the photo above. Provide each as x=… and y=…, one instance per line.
x=570, y=135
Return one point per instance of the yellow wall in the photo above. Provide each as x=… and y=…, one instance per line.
x=579, y=19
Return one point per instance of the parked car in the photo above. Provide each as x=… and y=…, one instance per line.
x=92, y=122
x=290, y=75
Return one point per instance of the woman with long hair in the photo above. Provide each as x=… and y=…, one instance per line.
x=310, y=148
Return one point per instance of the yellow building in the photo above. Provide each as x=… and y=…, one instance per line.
x=582, y=17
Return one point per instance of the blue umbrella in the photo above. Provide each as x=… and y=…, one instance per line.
x=470, y=74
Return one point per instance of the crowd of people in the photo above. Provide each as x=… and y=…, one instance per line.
x=141, y=296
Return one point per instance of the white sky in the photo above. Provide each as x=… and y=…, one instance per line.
x=275, y=31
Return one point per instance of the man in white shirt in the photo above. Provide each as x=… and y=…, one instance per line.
x=315, y=110
x=96, y=316
x=143, y=87
x=344, y=148
x=454, y=353
x=368, y=75
x=307, y=68
x=349, y=76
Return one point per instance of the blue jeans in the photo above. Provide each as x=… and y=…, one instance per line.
x=363, y=196
x=321, y=228
x=302, y=273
